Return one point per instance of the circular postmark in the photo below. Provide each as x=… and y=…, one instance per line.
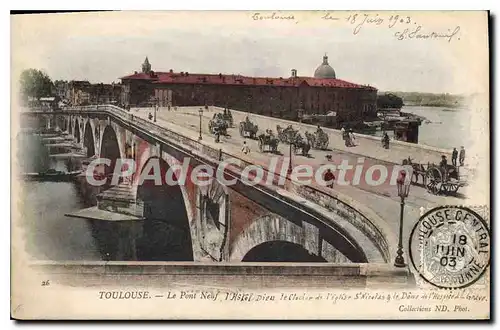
x=450, y=247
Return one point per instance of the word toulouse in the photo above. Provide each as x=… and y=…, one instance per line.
x=124, y=295
x=230, y=171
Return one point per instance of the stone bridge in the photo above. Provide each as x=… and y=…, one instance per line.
x=288, y=222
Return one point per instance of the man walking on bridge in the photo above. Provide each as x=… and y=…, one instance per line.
x=454, y=156
x=462, y=156
x=328, y=177
x=245, y=148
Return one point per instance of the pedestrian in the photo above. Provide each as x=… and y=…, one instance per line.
x=454, y=156
x=462, y=156
x=217, y=137
x=328, y=177
x=245, y=148
x=345, y=136
x=444, y=167
x=385, y=140
x=351, y=138
x=443, y=162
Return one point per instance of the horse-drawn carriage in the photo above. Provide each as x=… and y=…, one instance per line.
x=437, y=179
x=287, y=135
x=268, y=139
x=293, y=137
x=301, y=146
x=228, y=117
x=318, y=139
x=218, y=125
x=248, y=129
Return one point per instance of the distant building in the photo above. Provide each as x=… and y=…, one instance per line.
x=105, y=93
x=278, y=97
x=49, y=102
x=78, y=92
x=60, y=89
x=82, y=92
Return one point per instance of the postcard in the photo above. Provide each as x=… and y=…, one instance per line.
x=250, y=165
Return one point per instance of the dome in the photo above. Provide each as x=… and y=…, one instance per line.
x=324, y=70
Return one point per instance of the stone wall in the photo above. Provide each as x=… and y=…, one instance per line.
x=249, y=275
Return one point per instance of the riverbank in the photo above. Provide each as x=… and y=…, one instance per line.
x=437, y=106
x=444, y=100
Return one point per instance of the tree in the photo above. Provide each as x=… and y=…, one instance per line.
x=35, y=83
x=389, y=100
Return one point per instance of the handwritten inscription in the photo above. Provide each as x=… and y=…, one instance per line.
x=330, y=17
x=417, y=33
x=274, y=16
x=404, y=27
x=360, y=20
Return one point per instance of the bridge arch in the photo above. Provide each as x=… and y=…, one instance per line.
x=88, y=140
x=110, y=148
x=281, y=251
x=269, y=236
x=166, y=229
x=60, y=122
x=77, y=131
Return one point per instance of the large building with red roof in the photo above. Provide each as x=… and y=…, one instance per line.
x=283, y=97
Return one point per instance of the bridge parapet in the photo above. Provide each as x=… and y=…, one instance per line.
x=357, y=214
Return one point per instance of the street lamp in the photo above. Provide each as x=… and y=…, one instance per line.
x=403, y=183
x=201, y=114
x=290, y=163
x=156, y=108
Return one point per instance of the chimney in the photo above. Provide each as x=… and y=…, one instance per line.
x=171, y=71
x=220, y=75
x=135, y=72
x=182, y=73
x=294, y=73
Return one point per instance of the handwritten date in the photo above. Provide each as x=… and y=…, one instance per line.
x=369, y=19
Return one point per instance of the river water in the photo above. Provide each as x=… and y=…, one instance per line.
x=48, y=233
x=449, y=127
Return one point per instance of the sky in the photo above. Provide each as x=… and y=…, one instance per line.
x=102, y=47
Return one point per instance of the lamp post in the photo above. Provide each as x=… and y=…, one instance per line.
x=156, y=108
x=403, y=183
x=201, y=114
x=290, y=163
x=202, y=177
